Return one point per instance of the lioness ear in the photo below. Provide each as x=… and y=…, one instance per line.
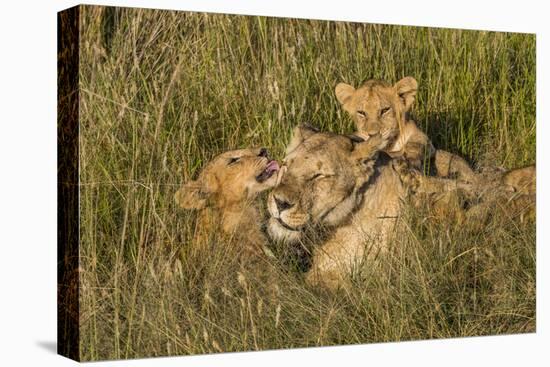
x=364, y=154
x=195, y=194
x=344, y=92
x=365, y=150
x=299, y=134
x=406, y=90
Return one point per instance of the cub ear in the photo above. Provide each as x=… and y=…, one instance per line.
x=299, y=134
x=406, y=90
x=365, y=150
x=189, y=196
x=344, y=92
x=194, y=194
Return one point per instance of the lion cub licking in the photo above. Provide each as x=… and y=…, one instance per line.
x=225, y=195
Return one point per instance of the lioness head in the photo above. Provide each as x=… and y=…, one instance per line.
x=377, y=107
x=231, y=177
x=322, y=181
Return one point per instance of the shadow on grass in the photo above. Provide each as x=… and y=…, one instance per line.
x=453, y=132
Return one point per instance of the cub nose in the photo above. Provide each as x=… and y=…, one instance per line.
x=263, y=152
x=282, y=204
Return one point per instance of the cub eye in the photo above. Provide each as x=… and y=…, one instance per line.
x=362, y=114
x=233, y=160
x=385, y=110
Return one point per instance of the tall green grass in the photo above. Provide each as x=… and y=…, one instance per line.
x=163, y=91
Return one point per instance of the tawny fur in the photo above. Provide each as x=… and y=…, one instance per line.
x=331, y=181
x=511, y=193
x=380, y=108
x=225, y=195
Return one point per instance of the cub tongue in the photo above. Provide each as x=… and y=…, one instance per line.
x=272, y=166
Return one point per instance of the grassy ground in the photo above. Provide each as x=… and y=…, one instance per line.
x=164, y=91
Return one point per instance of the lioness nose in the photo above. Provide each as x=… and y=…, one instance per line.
x=263, y=152
x=373, y=129
x=282, y=205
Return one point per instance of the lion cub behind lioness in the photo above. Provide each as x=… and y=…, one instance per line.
x=380, y=108
x=225, y=193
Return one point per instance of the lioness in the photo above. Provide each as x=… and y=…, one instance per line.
x=336, y=181
x=380, y=108
x=225, y=194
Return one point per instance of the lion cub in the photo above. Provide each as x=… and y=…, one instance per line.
x=225, y=193
x=511, y=192
x=380, y=108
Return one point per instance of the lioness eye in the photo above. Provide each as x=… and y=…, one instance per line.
x=384, y=110
x=320, y=175
x=233, y=160
x=315, y=176
x=362, y=113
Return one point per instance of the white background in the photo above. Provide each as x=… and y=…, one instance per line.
x=28, y=181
